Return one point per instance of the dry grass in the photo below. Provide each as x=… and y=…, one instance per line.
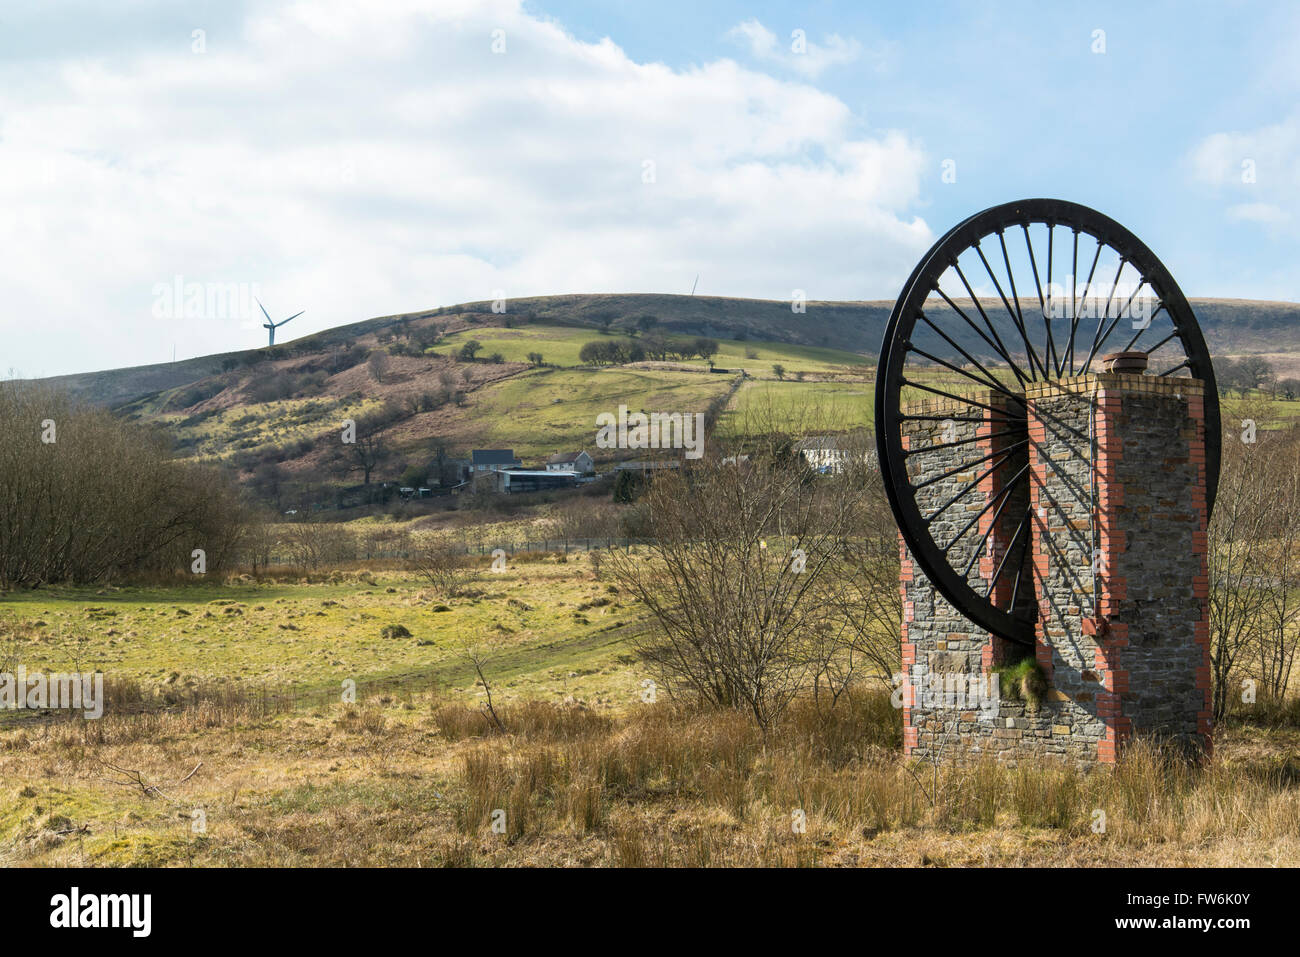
x=408, y=777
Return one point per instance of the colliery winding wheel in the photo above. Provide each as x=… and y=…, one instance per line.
x=1024, y=292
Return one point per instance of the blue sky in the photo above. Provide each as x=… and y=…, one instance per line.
x=1015, y=94
x=359, y=159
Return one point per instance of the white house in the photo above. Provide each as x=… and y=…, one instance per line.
x=579, y=462
x=828, y=454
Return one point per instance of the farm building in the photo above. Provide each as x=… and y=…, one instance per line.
x=534, y=480
x=579, y=462
x=493, y=460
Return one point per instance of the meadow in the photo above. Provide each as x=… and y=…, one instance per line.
x=229, y=741
x=538, y=620
x=546, y=410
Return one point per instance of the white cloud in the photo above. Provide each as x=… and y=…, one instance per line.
x=798, y=53
x=1257, y=171
x=361, y=159
x=1265, y=213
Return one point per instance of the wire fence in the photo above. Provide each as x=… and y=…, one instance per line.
x=559, y=546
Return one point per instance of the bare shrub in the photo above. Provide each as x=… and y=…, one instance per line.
x=442, y=562
x=861, y=632
x=312, y=545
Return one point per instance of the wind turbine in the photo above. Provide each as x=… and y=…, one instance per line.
x=272, y=326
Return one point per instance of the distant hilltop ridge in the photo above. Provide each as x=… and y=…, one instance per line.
x=1231, y=326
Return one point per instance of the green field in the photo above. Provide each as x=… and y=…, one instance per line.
x=798, y=406
x=537, y=622
x=549, y=409
x=560, y=345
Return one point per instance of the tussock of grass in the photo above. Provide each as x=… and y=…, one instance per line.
x=1022, y=681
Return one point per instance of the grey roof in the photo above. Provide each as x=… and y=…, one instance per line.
x=494, y=456
x=559, y=457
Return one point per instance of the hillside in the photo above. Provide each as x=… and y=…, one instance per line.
x=1231, y=327
x=840, y=326
x=274, y=414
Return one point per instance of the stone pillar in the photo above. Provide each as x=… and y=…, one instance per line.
x=1123, y=626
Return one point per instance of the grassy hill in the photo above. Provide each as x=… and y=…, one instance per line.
x=839, y=327
x=281, y=409
x=284, y=405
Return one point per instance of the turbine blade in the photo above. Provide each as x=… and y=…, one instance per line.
x=263, y=308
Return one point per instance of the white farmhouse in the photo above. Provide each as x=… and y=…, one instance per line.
x=579, y=462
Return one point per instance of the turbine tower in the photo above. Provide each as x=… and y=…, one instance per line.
x=272, y=326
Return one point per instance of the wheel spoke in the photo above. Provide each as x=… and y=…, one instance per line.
x=1101, y=320
x=969, y=358
x=908, y=453
x=962, y=494
x=1005, y=495
x=998, y=347
x=1000, y=454
x=997, y=573
x=1074, y=319
x=1042, y=304
x=1144, y=329
x=1000, y=413
x=1002, y=349
x=1150, y=319
x=1029, y=349
x=991, y=383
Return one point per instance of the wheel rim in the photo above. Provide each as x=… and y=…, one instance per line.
x=1022, y=292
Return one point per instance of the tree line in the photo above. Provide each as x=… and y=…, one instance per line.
x=1249, y=373
x=88, y=497
x=652, y=347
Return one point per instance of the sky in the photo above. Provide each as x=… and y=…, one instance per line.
x=163, y=163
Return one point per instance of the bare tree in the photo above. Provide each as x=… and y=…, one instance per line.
x=367, y=453
x=1238, y=553
x=85, y=496
x=733, y=578
x=316, y=544
x=489, y=712
x=1277, y=468
x=861, y=593
x=259, y=545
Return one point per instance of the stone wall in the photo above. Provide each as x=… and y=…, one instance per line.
x=1117, y=570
